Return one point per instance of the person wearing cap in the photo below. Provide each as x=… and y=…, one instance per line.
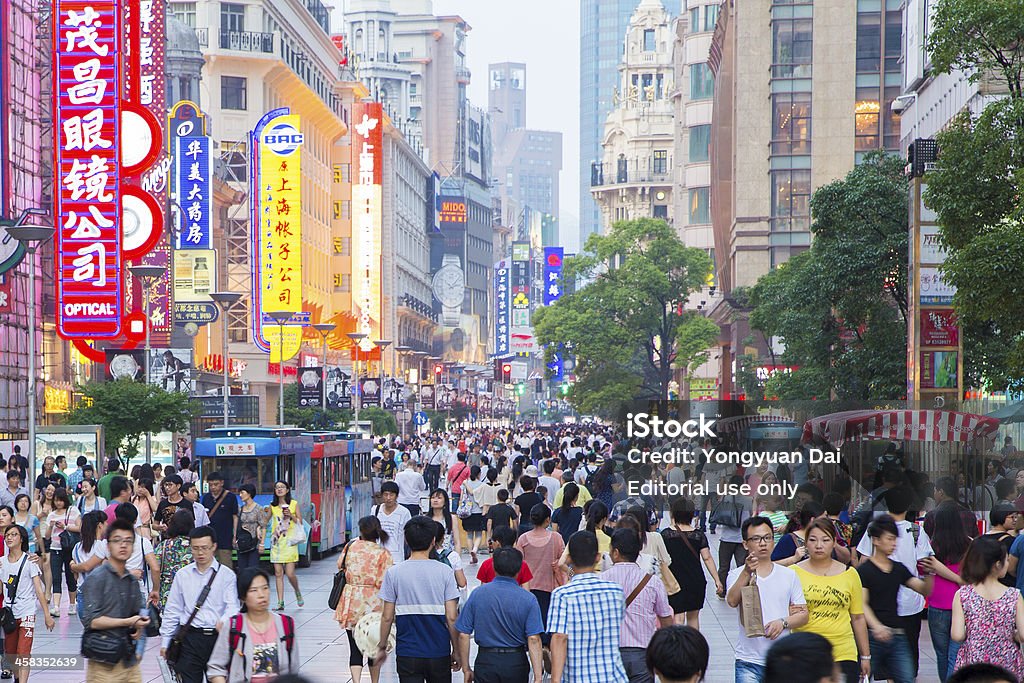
x=393, y=518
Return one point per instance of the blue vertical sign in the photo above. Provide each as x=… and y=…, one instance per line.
x=503, y=313
x=552, y=274
x=192, y=175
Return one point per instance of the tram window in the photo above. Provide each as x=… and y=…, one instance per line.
x=237, y=471
x=318, y=467
x=286, y=469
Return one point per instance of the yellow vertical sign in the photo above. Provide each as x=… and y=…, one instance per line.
x=280, y=255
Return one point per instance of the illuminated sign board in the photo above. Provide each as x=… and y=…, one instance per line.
x=552, y=274
x=194, y=275
x=86, y=80
x=192, y=176
x=502, y=313
x=452, y=212
x=277, y=230
x=367, y=205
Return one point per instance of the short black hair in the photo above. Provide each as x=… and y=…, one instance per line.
x=13, y=474
x=998, y=515
x=119, y=485
x=419, y=533
x=203, y=532
x=502, y=495
x=127, y=512
x=899, y=499
x=883, y=524
x=981, y=672
x=389, y=487
x=810, y=489
x=583, y=549
x=833, y=503
x=678, y=653
x=82, y=461
x=539, y=514
x=802, y=657
x=113, y=465
x=88, y=468
x=627, y=543
x=248, y=488
x=215, y=476
x=504, y=536
x=507, y=562
x=947, y=485
x=244, y=582
x=120, y=525
x=1005, y=488
x=756, y=520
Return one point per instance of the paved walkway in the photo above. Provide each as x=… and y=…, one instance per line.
x=324, y=647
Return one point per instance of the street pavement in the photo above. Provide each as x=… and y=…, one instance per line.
x=323, y=646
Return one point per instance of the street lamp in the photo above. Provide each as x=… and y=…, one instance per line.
x=31, y=236
x=280, y=317
x=225, y=300
x=357, y=397
x=325, y=330
x=149, y=275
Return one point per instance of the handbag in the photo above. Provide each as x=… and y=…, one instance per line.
x=7, y=619
x=106, y=645
x=68, y=539
x=750, y=609
x=153, y=627
x=244, y=541
x=339, y=582
x=174, y=648
x=465, y=509
x=297, y=534
x=727, y=513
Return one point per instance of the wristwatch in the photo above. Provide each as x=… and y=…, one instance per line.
x=449, y=287
x=785, y=623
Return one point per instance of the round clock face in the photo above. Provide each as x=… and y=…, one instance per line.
x=449, y=285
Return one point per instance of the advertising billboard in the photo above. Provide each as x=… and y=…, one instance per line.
x=310, y=386
x=502, y=310
x=938, y=369
x=171, y=370
x=122, y=364
x=192, y=175
x=277, y=231
x=86, y=118
x=939, y=327
x=339, y=388
x=367, y=214
x=195, y=275
x=552, y=274
x=369, y=391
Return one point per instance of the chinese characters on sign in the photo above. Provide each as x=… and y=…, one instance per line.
x=192, y=161
x=502, y=315
x=552, y=274
x=367, y=204
x=939, y=327
x=522, y=340
x=934, y=289
x=87, y=125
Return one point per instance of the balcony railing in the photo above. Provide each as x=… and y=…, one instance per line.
x=247, y=41
x=627, y=171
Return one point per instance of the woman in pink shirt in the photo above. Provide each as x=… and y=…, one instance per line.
x=542, y=549
x=949, y=544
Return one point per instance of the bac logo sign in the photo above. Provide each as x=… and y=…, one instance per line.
x=283, y=139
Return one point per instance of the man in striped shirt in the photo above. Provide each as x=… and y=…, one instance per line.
x=584, y=620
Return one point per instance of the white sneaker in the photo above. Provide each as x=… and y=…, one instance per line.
x=55, y=611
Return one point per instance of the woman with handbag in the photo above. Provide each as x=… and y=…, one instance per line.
x=363, y=561
x=286, y=524
x=688, y=548
x=255, y=645
x=63, y=526
x=24, y=587
x=251, y=528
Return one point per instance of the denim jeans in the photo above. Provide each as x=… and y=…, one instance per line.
x=892, y=660
x=748, y=672
x=634, y=661
x=939, y=623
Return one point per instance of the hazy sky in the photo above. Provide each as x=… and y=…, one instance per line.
x=544, y=34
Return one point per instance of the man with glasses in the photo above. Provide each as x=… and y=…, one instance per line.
x=222, y=600
x=783, y=606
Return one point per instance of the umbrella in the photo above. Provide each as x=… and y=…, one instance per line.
x=1009, y=413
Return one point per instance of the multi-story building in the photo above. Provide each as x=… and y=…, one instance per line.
x=603, y=24
x=527, y=162
x=260, y=56
x=777, y=134
x=633, y=178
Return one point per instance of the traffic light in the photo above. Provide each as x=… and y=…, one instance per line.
x=506, y=373
x=438, y=369
x=520, y=389
x=564, y=390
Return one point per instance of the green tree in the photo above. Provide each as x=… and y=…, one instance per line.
x=383, y=421
x=624, y=326
x=313, y=419
x=128, y=409
x=976, y=187
x=840, y=308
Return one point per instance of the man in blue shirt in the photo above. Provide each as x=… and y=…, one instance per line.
x=506, y=621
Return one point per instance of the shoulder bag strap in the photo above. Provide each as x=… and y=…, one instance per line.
x=17, y=580
x=639, y=587
x=220, y=500
x=205, y=593
x=689, y=545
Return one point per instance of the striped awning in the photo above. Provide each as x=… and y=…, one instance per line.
x=941, y=426
x=738, y=423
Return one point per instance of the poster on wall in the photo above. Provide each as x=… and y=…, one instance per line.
x=938, y=370
x=171, y=370
x=310, y=386
x=369, y=391
x=427, y=396
x=339, y=389
x=394, y=393
x=122, y=364
x=939, y=327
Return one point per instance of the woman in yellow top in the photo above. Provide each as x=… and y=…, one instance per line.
x=835, y=601
x=284, y=515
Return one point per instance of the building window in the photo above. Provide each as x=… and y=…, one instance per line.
x=695, y=20
x=342, y=173
x=660, y=161
x=791, y=123
x=791, y=52
x=185, y=12
x=867, y=117
x=233, y=92
x=869, y=42
x=702, y=82
x=649, y=43
x=710, y=17
x=893, y=41
x=700, y=143
x=700, y=205
x=232, y=17
x=660, y=211
x=791, y=194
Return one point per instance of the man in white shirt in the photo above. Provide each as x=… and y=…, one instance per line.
x=783, y=606
x=411, y=486
x=393, y=518
x=549, y=482
x=433, y=459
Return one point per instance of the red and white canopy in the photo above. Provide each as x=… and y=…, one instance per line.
x=898, y=425
x=738, y=423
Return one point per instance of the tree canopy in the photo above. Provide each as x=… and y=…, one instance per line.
x=128, y=409
x=627, y=325
x=840, y=308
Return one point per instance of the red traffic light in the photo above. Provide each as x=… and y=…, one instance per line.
x=506, y=368
x=438, y=369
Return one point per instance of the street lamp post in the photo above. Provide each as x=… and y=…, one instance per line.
x=149, y=275
x=325, y=330
x=225, y=300
x=31, y=236
x=280, y=317
x=357, y=398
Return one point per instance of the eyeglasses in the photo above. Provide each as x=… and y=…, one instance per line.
x=121, y=541
x=760, y=539
x=202, y=548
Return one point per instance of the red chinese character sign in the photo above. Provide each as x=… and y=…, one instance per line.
x=87, y=116
x=367, y=213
